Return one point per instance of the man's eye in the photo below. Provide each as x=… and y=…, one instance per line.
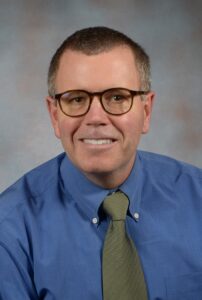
x=76, y=99
x=118, y=97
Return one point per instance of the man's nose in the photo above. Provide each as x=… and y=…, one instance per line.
x=96, y=114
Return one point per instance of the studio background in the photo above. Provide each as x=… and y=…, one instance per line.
x=30, y=32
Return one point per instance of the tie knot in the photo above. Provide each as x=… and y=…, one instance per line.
x=116, y=206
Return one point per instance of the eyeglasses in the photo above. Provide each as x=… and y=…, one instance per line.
x=115, y=101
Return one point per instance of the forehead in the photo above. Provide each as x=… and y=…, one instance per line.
x=113, y=68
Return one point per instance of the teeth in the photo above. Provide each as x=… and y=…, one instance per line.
x=97, y=142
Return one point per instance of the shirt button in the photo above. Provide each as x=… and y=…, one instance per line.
x=136, y=216
x=94, y=220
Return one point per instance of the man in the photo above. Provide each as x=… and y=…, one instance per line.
x=53, y=221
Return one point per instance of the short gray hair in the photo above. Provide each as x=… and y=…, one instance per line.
x=95, y=40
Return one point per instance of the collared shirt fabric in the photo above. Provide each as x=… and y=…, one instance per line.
x=52, y=231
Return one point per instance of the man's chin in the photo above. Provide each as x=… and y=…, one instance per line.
x=96, y=171
x=99, y=171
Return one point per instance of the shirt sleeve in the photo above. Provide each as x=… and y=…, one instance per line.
x=15, y=275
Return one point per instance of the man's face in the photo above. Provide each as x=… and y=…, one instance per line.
x=109, y=162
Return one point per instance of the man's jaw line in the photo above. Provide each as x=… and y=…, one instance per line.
x=109, y=179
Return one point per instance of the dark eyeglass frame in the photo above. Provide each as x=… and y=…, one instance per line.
x=133, y=93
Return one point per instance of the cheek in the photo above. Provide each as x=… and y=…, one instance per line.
x=133, y=134
x=132, y=125
x=65, y=136
x=67, y=128
x=65, y=131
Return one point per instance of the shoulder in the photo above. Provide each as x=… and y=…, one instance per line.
x=30, y=186
x=169, y=171
x=158, y=163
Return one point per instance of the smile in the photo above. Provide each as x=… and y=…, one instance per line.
x=98, y=141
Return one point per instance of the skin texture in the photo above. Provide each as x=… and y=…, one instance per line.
x=107, y=165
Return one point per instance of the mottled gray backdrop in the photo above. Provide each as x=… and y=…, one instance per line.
x=30, y=31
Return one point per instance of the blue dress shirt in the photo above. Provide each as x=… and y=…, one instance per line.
x=52, y=231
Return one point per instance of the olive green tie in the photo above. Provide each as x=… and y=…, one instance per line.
x=123, y=277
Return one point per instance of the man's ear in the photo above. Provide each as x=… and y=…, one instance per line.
x=148, y=105
x=53, y=112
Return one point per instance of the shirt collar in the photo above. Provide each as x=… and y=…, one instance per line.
x=132, y=187
x=89, y=196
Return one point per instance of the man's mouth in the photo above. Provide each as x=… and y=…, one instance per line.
x=98, y=141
